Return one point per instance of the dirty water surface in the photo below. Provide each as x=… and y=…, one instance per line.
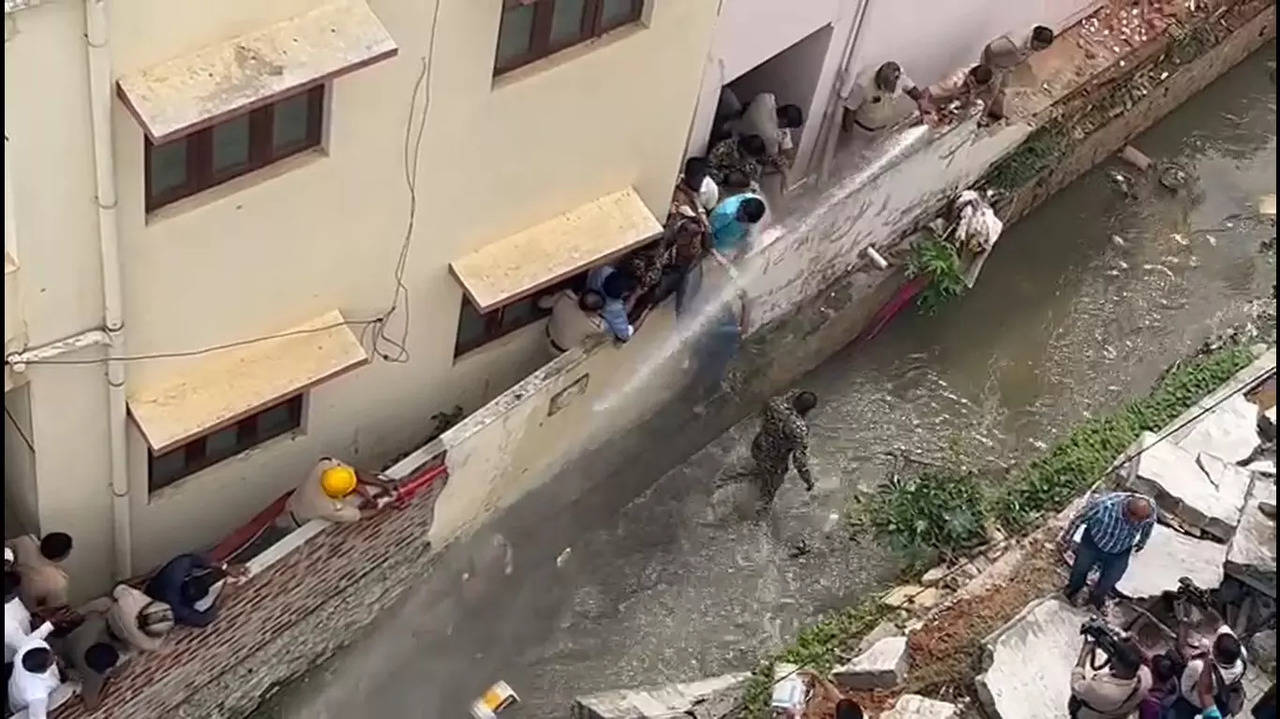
x=632, y=579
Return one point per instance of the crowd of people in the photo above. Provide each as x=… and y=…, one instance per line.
x=48, y=643
x=1202, y=677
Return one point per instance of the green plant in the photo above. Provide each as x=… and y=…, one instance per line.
x=817, y=647
x=937, y=260
x=936, y=510
x=1036, y=154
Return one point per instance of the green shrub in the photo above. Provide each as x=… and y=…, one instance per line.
x=937, y=260
x=934, y=511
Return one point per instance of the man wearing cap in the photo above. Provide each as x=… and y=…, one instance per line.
x=332, y=491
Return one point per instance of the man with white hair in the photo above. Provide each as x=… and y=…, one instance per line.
x=1115, y=526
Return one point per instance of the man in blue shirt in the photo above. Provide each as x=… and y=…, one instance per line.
x=731, y=222
x=1115, y=525
x=617, y=287
x=190, y=585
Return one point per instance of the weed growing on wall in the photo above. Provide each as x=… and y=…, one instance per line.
x=936, y=259
x=1040, y=151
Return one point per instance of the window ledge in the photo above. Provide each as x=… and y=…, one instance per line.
x=567, y=55
x=220, y=192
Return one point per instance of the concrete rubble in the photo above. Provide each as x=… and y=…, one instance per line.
x=883, y=666
x=1229, y=432
x=914, y=706
x=1168, y=556
x=884, y=630
x=1029, y=660
x=1201, y=490
x=1251, y=556
x=703, y=699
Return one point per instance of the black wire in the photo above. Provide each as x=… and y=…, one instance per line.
x=202, y=350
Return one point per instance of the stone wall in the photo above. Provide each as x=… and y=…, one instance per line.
x=811, y=297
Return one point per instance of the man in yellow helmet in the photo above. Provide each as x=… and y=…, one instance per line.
x=333, y=491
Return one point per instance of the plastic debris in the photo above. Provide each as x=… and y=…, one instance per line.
x=1176, y=237
x=1118, y=241
x=1213, y=241
x=1134, y=156
x=1122, y=181
x=833, y=519
x=1267, y=205
x=1160, y=268
x=563, y=558
x=1174, y=178
x=789, y=696
x=500, y=696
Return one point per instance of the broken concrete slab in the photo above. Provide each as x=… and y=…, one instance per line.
x=884, y=630
x=1229, y=432
x=1028, y=661
x=1251, y=556
x=1201, y=490
x=1169, y=555
x=703, y=699
x=914, y=706
x=901, y=596
x=883, y=666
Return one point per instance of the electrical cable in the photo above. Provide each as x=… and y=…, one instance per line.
x=1125, y=459
x=398, y=351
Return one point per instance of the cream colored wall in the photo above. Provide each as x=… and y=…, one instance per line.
x=323, y=229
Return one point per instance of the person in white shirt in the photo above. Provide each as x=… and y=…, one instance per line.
x=1213, y=671
x=574, y=318
x=872, y=102
x=35, y=675
x=772, y=123
x=17, y=620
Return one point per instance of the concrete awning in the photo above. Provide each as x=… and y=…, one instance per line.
x=542, y=255
x=223, y=387
x=189, y=93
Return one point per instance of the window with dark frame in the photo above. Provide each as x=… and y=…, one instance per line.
x=203, y=452
x=533, y=29
x=236, y=146
x=476, y=330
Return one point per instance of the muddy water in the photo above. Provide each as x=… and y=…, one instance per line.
x=582, y=594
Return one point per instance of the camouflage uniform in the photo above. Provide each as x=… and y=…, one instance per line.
x=783, y=439
x=731, y=167
x=686, y=229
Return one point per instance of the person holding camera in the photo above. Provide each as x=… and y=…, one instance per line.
x=1115, y=691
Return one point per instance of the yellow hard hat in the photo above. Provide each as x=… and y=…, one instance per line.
x=338, y=481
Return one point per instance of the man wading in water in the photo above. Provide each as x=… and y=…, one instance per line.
x=783, y=439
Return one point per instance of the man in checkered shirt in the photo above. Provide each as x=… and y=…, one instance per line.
x=1115, y=526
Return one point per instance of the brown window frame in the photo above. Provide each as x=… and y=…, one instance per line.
x=494, y=328
x=540, y=44
x=200, y=174
x=248, y=435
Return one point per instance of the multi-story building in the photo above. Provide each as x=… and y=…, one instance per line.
x=181, y=177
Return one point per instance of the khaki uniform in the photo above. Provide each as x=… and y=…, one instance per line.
x=309, y=501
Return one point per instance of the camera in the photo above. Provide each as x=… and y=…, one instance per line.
x=1190, y=592
x=1104, y=636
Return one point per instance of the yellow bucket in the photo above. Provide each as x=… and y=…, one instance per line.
x=498, y=697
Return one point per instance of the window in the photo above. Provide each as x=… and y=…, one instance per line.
x=533, y=29
x=275, y=420
x=476, y=330
x=233, y=147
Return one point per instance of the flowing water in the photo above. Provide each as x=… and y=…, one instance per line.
x=1081, y=304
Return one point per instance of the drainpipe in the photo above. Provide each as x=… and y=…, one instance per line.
x=98, y=42
x=832, y=119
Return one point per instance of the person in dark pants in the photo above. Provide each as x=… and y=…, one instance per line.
x=1266, y=706
x=1115, y=526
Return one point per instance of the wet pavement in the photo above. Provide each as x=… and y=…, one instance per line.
x=600, y=582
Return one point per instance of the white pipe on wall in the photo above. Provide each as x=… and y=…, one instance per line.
x=18, y=361
x=98, y=47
